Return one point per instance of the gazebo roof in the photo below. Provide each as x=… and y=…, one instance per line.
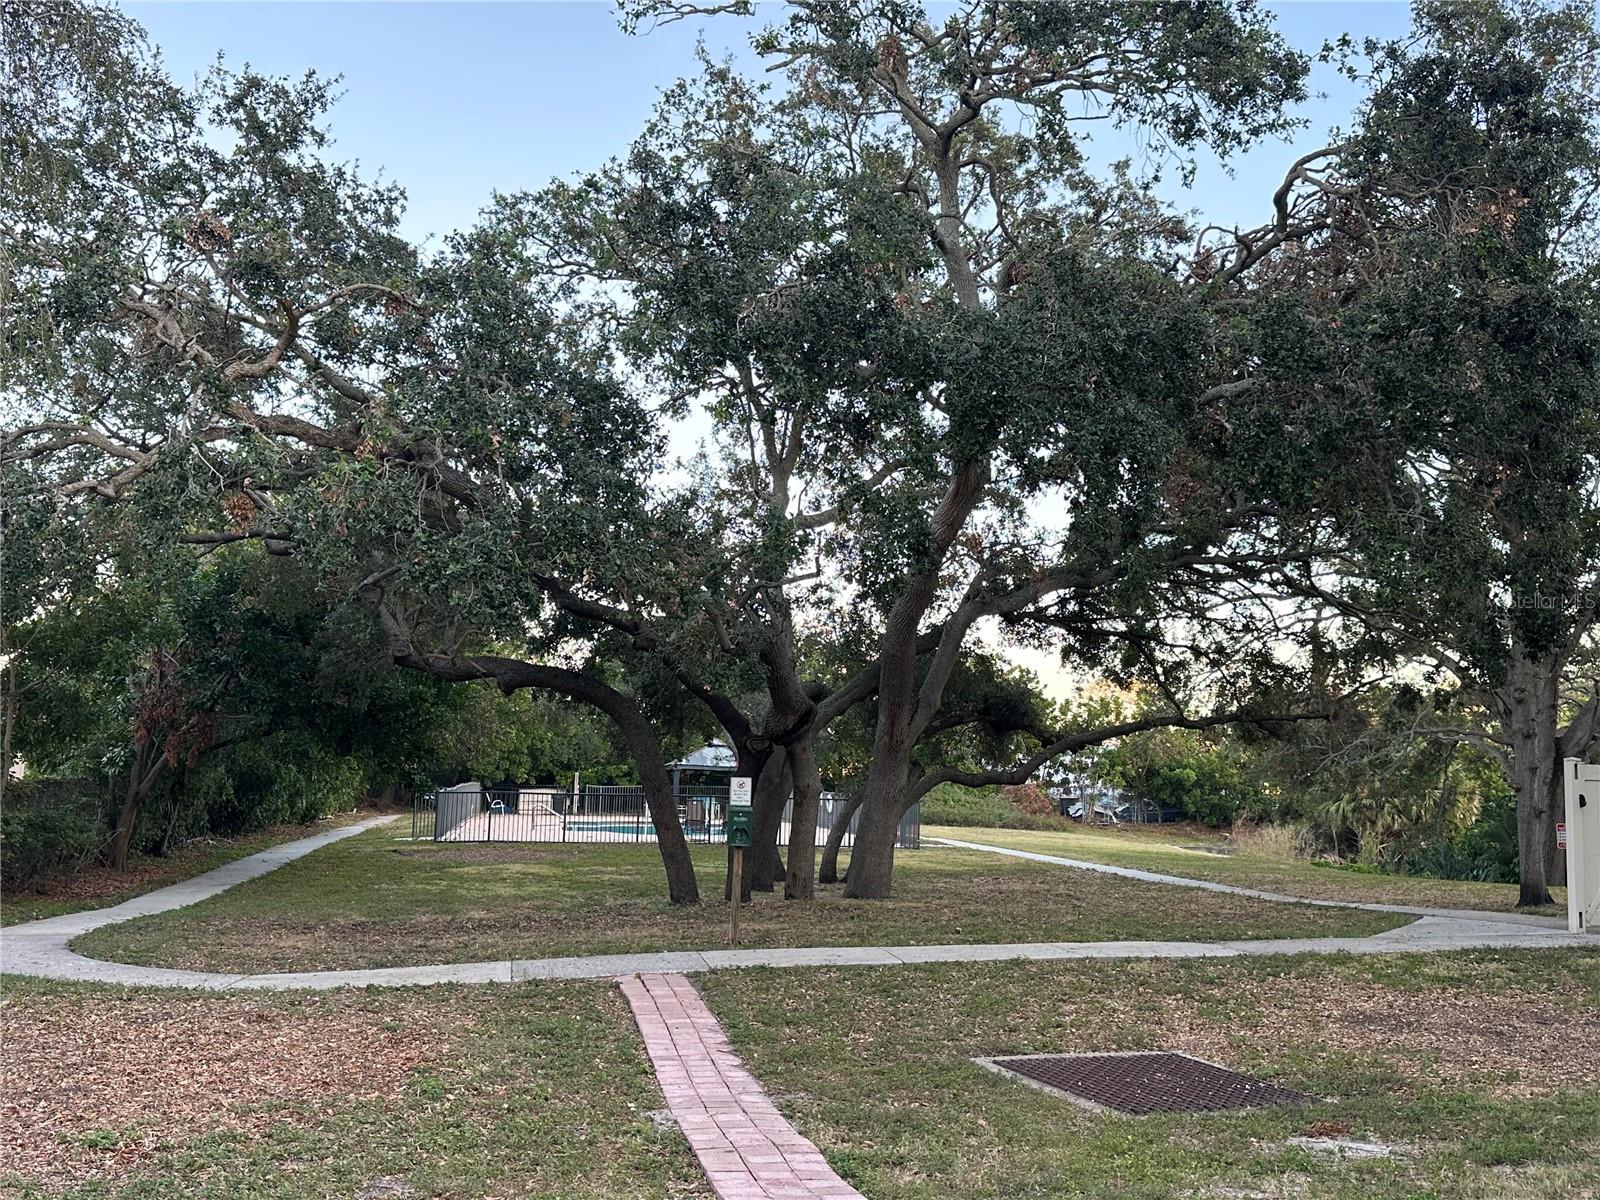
x=713, y=756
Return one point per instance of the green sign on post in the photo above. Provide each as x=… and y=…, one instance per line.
x=740, y=814
x=739, y=824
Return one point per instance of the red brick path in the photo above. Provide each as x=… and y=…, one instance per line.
x=747, y=1148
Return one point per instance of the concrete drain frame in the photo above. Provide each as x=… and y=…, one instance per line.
x=1141, y=1083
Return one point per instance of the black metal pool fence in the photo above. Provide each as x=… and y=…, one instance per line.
x=470, y=812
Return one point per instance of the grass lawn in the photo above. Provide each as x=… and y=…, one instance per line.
x=529, y=1091
x=1196, y=854
x=101, y=887
x=1481, y=1071
x=373, y=901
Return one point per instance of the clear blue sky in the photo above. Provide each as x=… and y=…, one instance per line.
x=455, y=100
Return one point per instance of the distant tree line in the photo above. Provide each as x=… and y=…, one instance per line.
x=222, y=695
x=1363, y=788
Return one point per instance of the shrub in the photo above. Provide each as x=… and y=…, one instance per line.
x=949, y=804
x=284, y=779
x=1030, y=800
x=48, y=827
x=185, y=808
x=1486, y=851
x=1178, y=769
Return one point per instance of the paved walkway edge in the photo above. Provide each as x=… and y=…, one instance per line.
x=1528, y=920
x=749, y=1151
x=40, y=948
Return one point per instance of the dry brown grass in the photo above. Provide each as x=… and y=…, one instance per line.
x=519, y=1090
x=1482, y=1070
x=1446, y=1034
x=94, y=1087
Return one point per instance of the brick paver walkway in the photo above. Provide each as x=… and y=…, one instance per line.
x=747, y=1148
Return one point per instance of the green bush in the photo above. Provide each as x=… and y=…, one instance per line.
x=285, y=779
x=1206, y=788
x=47, y=827
x=185, y=808
x=950, y=804
x=1485, y=851
x=1178, y=769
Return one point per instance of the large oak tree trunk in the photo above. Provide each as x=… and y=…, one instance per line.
x=800, y=883
x=828, y=869
x=763, y=866
x=1529, y=712
x=1530, y=779
x=663, y=805
x=872, y=855
x=1555, y=870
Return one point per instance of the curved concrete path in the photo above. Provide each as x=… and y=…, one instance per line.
x=1455, y=914
x=40, y=947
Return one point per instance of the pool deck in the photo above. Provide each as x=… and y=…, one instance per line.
x=547, y=826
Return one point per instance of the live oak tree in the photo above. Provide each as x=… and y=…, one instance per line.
x=50, y=56
x=906, y=308
x=216, y=335
x=958, y=377
x=1467, y=371
x=245, y=351
x=904, y=264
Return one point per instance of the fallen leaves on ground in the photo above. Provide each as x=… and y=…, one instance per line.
x=92, y=1087
x=1522, y=1047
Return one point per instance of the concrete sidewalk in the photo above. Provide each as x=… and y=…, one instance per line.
x=1527, y=920
x=40, y=947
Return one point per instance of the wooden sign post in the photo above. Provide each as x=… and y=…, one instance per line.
x=738, y=826
x=735, y=893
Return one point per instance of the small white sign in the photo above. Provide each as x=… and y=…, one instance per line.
x=739, y=791
x=1561, y=835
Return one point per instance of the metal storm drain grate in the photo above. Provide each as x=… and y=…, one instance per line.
x=1143, y=1082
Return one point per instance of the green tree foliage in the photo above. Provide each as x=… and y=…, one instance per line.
x=1376, y=784
x=1468, y=375
x=250, y=352
x=947, y=318
x=959, y=379
x=226, y=338
x=1179, y=769
x=279, y=706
